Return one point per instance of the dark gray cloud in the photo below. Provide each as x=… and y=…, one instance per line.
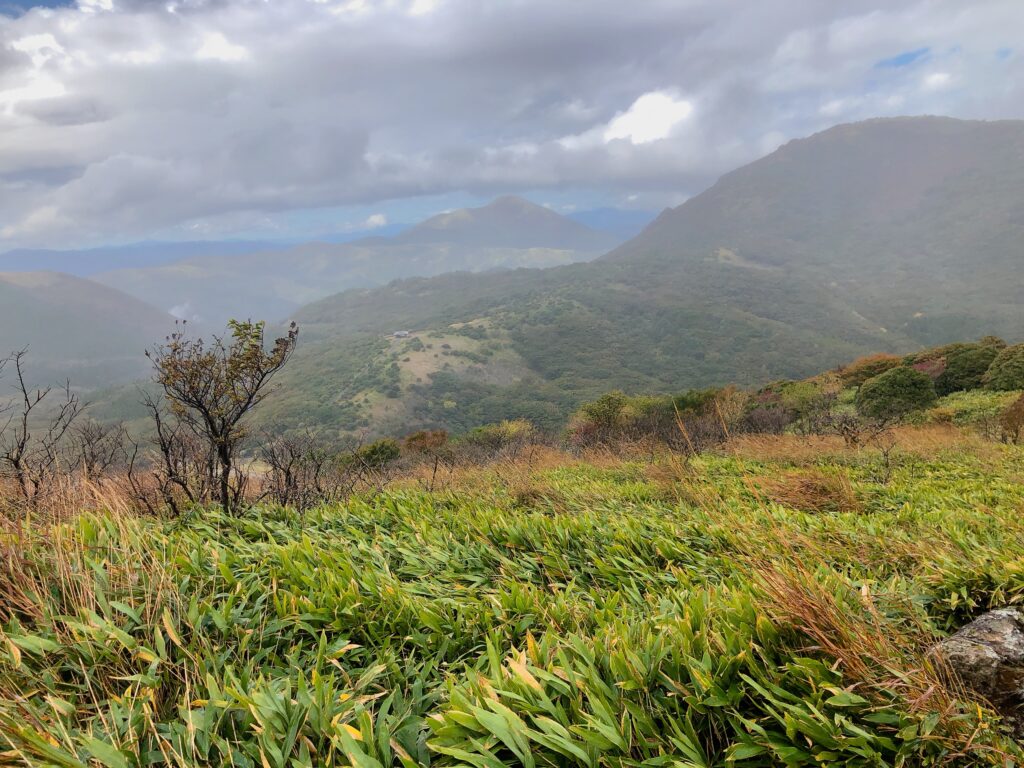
x=120, y=118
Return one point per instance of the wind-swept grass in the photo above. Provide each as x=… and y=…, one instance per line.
x=554, y=611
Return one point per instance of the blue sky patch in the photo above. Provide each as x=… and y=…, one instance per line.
x=18, y=7
x=904, y=59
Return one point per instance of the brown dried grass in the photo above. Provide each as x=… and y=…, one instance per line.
x=679, y=480
x=927, y=441
x=811, y=490
x=886, y=661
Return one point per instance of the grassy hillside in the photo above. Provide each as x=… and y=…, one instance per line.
x=77, y=329
x=773, y=603
x=880, y=236
x=580, y=331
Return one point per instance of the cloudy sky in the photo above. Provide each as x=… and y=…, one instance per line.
x=129, y=119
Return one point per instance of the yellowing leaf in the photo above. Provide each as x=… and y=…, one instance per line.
x=15, y=653
x=353, y=732
x=170, y=630
x=519, y=668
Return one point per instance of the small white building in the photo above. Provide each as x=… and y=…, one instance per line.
x=401, y=334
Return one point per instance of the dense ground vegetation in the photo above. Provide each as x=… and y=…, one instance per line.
x=713, y=577
x=771, y=602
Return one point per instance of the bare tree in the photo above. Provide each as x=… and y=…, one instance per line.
x=30, y=438
x=304, y=472
x=856, y=430
x=96, y=448
x=1012, y=422
x=183, y=465
x=212, y=387
x=431, y=446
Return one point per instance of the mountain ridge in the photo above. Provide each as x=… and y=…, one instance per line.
x=272, y=284
x=790, y=264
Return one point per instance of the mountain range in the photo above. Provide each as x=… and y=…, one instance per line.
x=884, y=235
x=89, y=314
x=508, y=233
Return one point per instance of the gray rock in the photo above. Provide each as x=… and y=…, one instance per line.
x=988, y=656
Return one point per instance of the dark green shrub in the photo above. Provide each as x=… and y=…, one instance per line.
x=859, y=371
x=1007, y=370
x=895, y=393
x=378, y=454
x=606, y=412
x=965, y=368
x=615, y=418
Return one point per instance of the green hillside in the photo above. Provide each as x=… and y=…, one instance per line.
x=75, y=328
x=917, y=222
x=879, y=236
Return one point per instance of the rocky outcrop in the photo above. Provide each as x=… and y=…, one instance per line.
x=988, y=656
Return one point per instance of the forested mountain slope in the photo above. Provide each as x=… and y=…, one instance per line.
x=883, y=235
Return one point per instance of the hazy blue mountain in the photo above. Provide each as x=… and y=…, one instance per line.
x=509, y=222
x=620, y=222
x=91, y=261
x=508, y=233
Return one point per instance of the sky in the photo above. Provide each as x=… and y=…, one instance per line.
x=201, y=119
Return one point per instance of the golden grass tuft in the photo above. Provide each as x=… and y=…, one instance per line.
x=886, y=662
x=926, y=441
x=811, y=490
x=680, y=480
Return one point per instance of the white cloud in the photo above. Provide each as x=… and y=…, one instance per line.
x=375, y=221
x=422, y=7
x=937, y=81
x=124, y=118
x=37, y=86
x=149, y=55
x=92, y=6
x=40, y=48
x=185, y=311
x=217, y=47
x=650, y=118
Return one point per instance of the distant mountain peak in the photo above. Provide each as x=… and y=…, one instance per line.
x=510, y=200
x=509, y=221
x=516, y=203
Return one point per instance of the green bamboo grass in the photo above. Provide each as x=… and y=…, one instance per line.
x=610, y=617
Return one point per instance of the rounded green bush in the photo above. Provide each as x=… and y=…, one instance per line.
x=859, y=371
x=965, y=368
x=895, y=393
x=1007, y=370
